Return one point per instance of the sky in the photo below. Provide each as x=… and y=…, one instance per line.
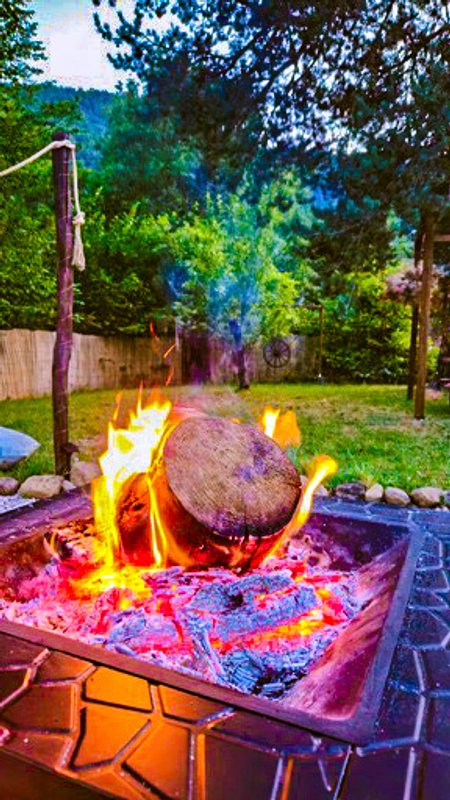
x=76, y=53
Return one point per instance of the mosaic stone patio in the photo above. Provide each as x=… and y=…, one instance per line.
x=70, y=728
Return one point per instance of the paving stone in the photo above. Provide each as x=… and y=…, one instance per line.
x=121, y=786
x=423, y=629
x=187, y=707
x=153, y=760
x=118, y=688
x=435, y=579
x=439, y=723
x=263, y=731
x=10, y=682
x=105, y=731
x=311, y=779
x=12, y=503
x=46, y=708
x=369, y=775
x=397, y=716
x=403, y=671
x=425, y=598
x=17, y=652
x=61, y=667
x=226, y=765
x=435, y=777
x=46, y=749
x=437, y=669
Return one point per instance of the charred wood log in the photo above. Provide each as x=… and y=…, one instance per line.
x=224, y=493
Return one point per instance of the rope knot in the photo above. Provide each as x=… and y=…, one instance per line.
x=79, y=219
x=78, y=259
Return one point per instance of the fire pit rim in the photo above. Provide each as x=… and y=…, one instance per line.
x=356, y=729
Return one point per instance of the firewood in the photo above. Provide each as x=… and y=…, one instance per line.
x=225, y=492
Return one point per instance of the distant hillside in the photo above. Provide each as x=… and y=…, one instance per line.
x=93, y=105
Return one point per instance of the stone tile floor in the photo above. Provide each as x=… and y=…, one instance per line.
x=103, y=733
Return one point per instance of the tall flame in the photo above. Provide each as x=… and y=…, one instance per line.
x=131, y=451
x=269, y=420
x=321, y=467
x=282, y=428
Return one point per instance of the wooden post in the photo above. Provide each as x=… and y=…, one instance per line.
x=321, y=321
x=63, y=344
x=412, y=360
x=424, y=318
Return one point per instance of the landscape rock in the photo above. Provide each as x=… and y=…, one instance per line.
x=14, y=446
x=374, y=493
x=8, y=486
x=68, y=486
x=322, y=491
x=84, y=472
x=427, y=496
x=351, y=491
x=41, y=486
x=446, y=498
x=396, y=497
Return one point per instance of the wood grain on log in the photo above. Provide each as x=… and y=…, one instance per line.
x=225, y=492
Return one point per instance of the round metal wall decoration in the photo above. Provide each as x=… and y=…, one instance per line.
x=277, y=353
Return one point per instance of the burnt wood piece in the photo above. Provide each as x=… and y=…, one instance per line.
x=225, y=492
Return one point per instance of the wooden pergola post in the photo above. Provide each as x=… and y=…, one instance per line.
x=424, y=315
x=63, y=343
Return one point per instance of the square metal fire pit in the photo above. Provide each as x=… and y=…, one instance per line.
x=341, y=695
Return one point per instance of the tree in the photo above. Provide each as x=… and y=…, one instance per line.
x=240, y=268
x=20, y=51
x=27, y=227
x=144, y=159
x=375, y=75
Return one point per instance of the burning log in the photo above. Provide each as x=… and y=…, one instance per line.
x=222, y=494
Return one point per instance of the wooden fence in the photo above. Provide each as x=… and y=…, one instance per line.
x=97, y=362
x=118, y=362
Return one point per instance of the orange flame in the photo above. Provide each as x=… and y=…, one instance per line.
x=131, y=451
x=282, y=428
x=321, y=467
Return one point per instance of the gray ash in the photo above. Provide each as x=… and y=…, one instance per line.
x=258, y=633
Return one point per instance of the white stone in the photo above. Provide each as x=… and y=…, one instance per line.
x=374, y=493
x=68, y=486
x=8, y=486
x=41, y=486
x=427, y=496
x=396, y=497
x=321, y=491
x=84, y=472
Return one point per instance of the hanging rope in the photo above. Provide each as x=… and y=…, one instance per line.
x=78, y=259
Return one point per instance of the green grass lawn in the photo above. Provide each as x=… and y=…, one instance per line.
x=369, y=430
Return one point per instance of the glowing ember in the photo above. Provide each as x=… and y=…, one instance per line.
x=259, y=632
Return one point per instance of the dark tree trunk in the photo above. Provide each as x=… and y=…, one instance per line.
x=424, y=315
x=63, y=343
x=242, y=374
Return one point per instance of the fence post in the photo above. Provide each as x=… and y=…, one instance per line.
x=63, y=343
